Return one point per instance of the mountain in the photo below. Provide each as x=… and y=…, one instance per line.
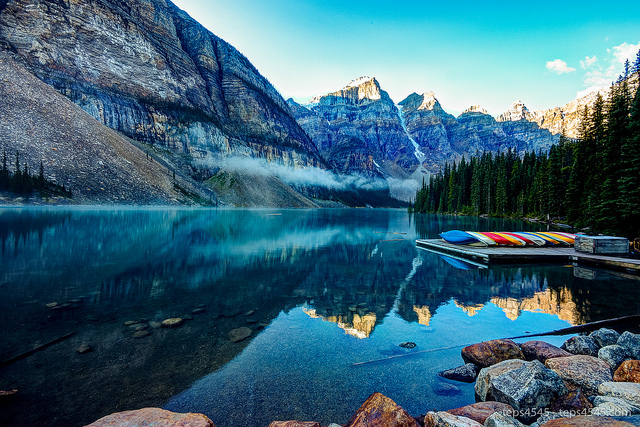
x=147, y=70
x=359, y=129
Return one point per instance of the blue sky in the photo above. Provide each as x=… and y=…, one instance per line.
x=467, y=52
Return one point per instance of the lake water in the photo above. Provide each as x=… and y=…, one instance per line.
x=318, y=290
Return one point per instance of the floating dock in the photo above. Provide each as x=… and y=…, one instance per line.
x=527, y=254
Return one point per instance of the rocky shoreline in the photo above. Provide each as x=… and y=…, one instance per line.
x=591, y=380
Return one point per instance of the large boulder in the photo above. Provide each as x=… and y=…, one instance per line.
x=529, y=389
x=483, y=383
x=614, y=407
x=379, y=410
x=614, y=355
x=489, y=353
x=466, y=373
x=631, y=342
x=605, y=336
x=628, y=371
x=482, y=410
x=585, y=372
x=152, y=417
x=540, y=350
x=587, y=421
x=574, y=402
x=581, y=344
x=626, y=391
x=445, y=419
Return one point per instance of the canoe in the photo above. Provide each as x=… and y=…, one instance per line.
x=482, y=238
x=514, y=241
x=458, y=237
x=529, y=239
x=500, y=240
x=550, y=241
x=561, y=237
x=570, y=236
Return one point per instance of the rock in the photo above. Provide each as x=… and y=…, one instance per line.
x=540, y=350
x=155, y=325
x=489, y=353
x=614, y=407
x=548, y=415
x=574, y=402
x=172, y=322
x=198, y=310
x=605, y=336
x=483, y=383
x=529, y=389
x=499, y=419
x=628, y=371
x=130, y=322
x=585, y=372
x=631, y=342
x=141, y=334
x=380, y=411
x=445, y=419
x=152, y=417
x=614, y=355
x=239, y=334
x=466, y=373
x=407, y=344
x=626, y=391
x=581, y=344
x=84, y=348
x=586, y=421
x=482, y=410
x=141, y=327
x=444, y=389
x=294, y=424
x=52, y=304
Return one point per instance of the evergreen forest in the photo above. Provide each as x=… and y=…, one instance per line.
x=22, y=182
x=591, y=182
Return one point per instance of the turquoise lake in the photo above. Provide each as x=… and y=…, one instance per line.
x=318, y=292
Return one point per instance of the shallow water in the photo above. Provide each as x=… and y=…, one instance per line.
x=320, y=290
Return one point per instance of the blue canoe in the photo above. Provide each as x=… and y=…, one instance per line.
x=458, y=237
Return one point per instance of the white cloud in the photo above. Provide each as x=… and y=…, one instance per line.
x=558, y=66
x=588, y=61
x=602, y=73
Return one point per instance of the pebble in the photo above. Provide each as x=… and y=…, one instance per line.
x=84, y=348
x=198, y=310
x=172, y=322
x=141, y=334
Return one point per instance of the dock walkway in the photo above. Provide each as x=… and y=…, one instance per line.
x=514, y=254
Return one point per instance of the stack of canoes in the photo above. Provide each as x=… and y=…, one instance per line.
x=509, y=238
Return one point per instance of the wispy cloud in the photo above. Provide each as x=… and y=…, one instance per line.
x=558, y=66
x=588, y=61
x=601, y=73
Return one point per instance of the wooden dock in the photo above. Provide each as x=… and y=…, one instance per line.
x=527, y=254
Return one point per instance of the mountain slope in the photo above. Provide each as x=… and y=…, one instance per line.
x=98, y=164
x=148, y=70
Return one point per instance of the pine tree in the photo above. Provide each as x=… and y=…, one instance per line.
x=629, y=200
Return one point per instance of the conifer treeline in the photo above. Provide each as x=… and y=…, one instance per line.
x=22, y=182
x=590, y=182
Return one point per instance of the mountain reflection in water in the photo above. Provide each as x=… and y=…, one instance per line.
x=318, y=289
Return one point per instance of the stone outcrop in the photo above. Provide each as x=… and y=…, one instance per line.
x=379, y=410
x=152, y=417
x=489, y=353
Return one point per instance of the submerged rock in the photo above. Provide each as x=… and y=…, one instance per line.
x=581, y=344
x=444, y=389
x=172, y=322
x=407, y=344
x=466, y=373
x=152, y=417
x=489, y=353
x=585, y=372
x=84, y=348
x=141, y=334
x=239, y=334
x=380, y=411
